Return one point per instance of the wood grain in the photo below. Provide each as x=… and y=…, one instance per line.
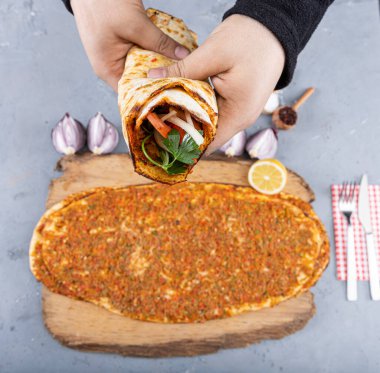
x=85, y=326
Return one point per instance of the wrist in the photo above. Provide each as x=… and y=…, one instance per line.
x=260, y=36
x=76, y=5
x=278, y=23
x=254, y=45
x=84, y=5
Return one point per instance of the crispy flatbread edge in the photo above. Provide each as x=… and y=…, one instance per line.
x=36, y=236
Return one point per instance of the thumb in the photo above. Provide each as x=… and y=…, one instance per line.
x=152, y=38
x=199, y=65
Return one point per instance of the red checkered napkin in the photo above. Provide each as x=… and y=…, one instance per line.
x=340, y=229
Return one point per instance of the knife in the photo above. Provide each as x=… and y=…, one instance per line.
x=365, y=220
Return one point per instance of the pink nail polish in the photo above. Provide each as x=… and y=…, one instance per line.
x=181, y=52
x=157, y=73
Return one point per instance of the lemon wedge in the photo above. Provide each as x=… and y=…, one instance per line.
x=267, y=176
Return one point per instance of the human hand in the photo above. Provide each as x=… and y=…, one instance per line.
x=245, y=61
x=109, y=28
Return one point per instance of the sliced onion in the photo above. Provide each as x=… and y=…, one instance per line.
x=169, y=115
x=188, y=118
x=190, y=129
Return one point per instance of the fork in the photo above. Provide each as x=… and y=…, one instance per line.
x=347, y=207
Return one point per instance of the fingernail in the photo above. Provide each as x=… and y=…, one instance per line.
x=160, y=72
x=181, y=52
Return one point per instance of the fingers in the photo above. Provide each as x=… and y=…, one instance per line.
x=244, y=66
x=227, y=127
x=204, y=62
x=235, y=115
x=108, y=71
x=152, y=38
x=113, y=81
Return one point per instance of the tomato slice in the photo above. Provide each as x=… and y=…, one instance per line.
x=158, y=124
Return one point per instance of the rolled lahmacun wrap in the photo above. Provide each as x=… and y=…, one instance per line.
x=167, y=122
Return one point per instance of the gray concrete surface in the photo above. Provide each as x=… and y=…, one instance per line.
x=44, y=72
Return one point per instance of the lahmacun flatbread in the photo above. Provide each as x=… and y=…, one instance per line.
x=179, y=254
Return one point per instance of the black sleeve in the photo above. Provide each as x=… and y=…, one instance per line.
x=291, y=21
x=67, y=5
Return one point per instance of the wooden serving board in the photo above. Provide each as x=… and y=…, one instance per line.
x=85, y=326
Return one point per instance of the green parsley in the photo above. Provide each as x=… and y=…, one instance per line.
x=176, y=156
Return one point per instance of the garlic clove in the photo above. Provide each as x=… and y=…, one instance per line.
x=58, y=139
x=273, y=103
x=235, y=146
x=102, y=136
x=111, y=139
x=68, y=136
x=230, y=152
x=263, y=144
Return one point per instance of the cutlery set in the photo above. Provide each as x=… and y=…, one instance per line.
x=348, y=206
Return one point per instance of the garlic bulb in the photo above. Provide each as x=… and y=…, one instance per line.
x=273, y=103
x=235, y=146
x=68, y=136
x=263, y=144
x=102, y=136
